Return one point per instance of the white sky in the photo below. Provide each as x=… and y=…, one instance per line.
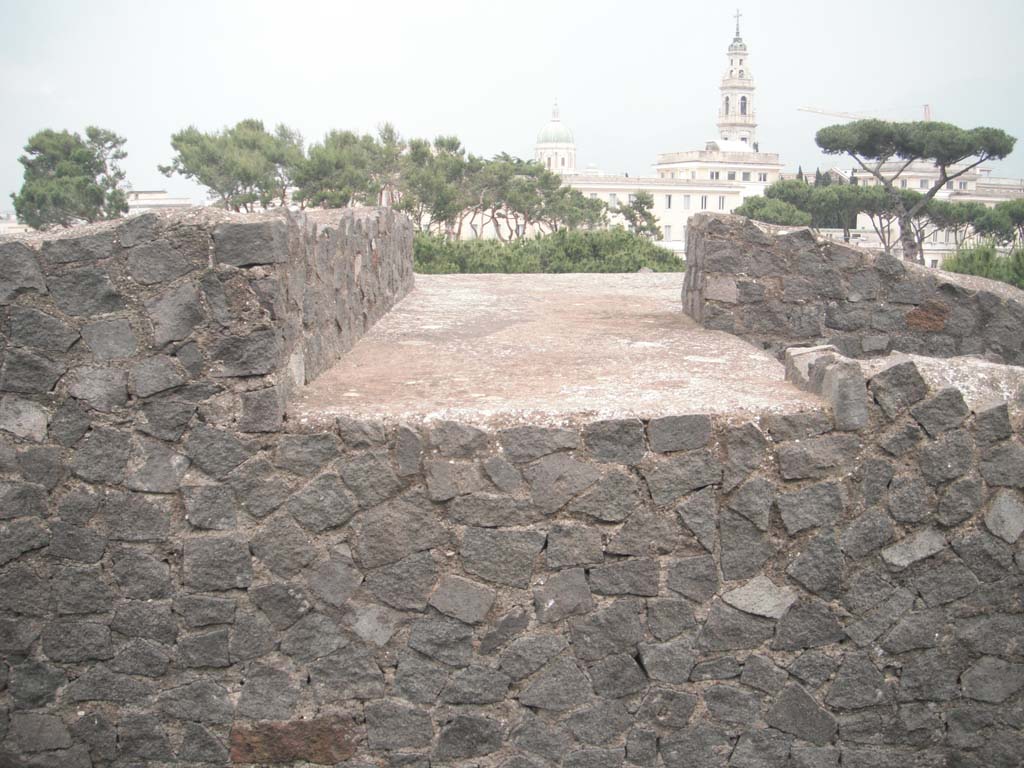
x=633, y=79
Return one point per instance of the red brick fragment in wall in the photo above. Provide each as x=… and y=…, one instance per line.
x=322, y=741
x=930, y=316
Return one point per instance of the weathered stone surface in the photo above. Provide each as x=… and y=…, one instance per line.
x=448, y=478
x=612, y=498
x=395, y=530
x=944, y=411
x=761, y=597
x=34, y=684
x=615, y=440
x=555, y=479
x=282, y=545
x=615, y=629
x=526, y=655
x=323, y=740
x=140, y=575
x=350, y=673
x=898, y=387
x=528, y=443
x=564, y=594
x=136, y=517
x=154, y=467
x=468, y=736
x=753, y=500
x=947, y=458
x=29, y=373
x=204, y=610
x=111, y=339
x=23, y=418
x=217, y=563
x=406, y=584
x=19, y=272
x=960, y=501
x=311, y=637
x=744, y=548
x=32, y=732
x=867, y=533
x=257, y=353
x=807, y=624
x=633, y=576
x=476, y=685
x=913, y=548
x=203, y=649
x=282, y=604
x=617, y=675
x=671, y=477
x=165, y=418
x=728, y=629
x=156, y=374
x=503, y=557
x=813, y=668
x=761, y=673
x=560, y=685
x=419, y=679
x=571, y=545
x=988, y=557
x=699, y=513
x=491, y=510
x=392, y=725
x=762, y=748
x=858, y=684
x=669, y=662
x=323, y=504
x=1005, y=516
x=444, y=639
x=732, y=704
x=333, y=580
x=699, y=744
x=102, y=389
x=85, y=291
x=944, y=582
x=816, y=505
x=215, y=451
x=901, y=439
x=408, y=450
x=993, y=680
x=668, y=618
x=175, y=313
x=679, y=433
x=451, y=438
x=721, y=668
x=370, y=477
x=819, y=566
x=797, y=713
x=42, y=332
x=816, y=457
x=694, y=577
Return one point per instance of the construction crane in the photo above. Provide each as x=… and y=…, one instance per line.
x=855, y=116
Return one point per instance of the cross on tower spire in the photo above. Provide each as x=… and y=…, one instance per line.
x=738, y=14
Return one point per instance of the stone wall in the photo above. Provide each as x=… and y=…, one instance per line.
x=792, y=290
x=182, y=584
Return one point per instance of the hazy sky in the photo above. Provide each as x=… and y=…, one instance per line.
x=633, y=79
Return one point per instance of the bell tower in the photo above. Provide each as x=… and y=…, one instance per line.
x=736, y=117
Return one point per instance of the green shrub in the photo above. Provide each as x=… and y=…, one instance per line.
x=611, y=250
x=985, y=261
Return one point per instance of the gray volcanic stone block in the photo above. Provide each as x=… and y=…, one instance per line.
x=668, y=618
x=38, y=733
x=843, y=387
x=249, y=244
x=916, y=547
x=175, y=313
x=761, y=597
x=283, y=546
x=156, y=374
x=808, y=623
x=722, y=668
x=744, y=548
x=992, y=423
x=1004, y=465
x=679, y=433
x=215, y=451
x=476, y=685
x=819, y=566
x=669, y=662
x=816, y=457
x=85, y=291
x=633, y=576
x=268, y=694
x=24, y=371
x=209, y=507
x=612, y=498
x=463, y=599
x=334, y=580
x=753, y=500
x=323, y=504
x=419, y=679
x=450, y=438
x=217, y=563
x=282, y=604
x=993, y=680
x=204, y=610
x=40, y=331
x=555, y=479
x=491, y=510
x=255, y=354
x=564, y=594
x=897, y=388
x=616, y=440
x=1005, y=517
x=311, y=637
x=443, y=639
x=393, y=725
x=407, y=584
x=732, y=704
x=813, y=506
x=760, y=748
x=350, y=673
x=603, y=722
x=140, y=575
x=110, y=339
x=23, y=418
x=615, y=629
x=201, y=702
x=504, y=557
x=761, y=673
x=370, y=477
x=947, y=458
x=559, y=686
x=867, y=533
x=570, y=545
x=694, y=577
x=469, y=736
x=699, y=513
x=960, y=501
x=305, y=454
x=697, y=744
x=526, y=655
x=617, y=675
x=674, y=476
x=19, y=272
x=797, y=713
x=728, y=629
x=395, y=530
x=942, y=412
x=858, y=684
x=102, y=389
x=528, y=443
x=259, y=490
x=262, y=411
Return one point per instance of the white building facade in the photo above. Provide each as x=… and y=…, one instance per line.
x=717, y=178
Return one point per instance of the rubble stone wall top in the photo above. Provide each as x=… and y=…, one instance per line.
x=793, y=290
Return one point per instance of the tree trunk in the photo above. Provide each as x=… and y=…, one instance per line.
x=910, y=250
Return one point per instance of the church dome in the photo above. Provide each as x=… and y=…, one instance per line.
x=555, y=131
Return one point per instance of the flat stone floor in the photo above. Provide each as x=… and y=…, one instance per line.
x=500, y=349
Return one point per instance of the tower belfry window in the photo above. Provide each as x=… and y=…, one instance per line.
x=743, y=105
x=727, y=105
x=741, y=74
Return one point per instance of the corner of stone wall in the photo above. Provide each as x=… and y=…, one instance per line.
x=791, y=289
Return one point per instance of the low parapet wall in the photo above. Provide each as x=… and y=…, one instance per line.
x=802, y=589
x=793, y=290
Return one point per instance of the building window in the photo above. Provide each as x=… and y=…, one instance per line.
x=746, y=175
x=947, y=237
x=903, y=183
x=703, y=202
x=673, y=174
x=686, y=202
x=632, y=198
x=549, y=163
x=962, y=184
x=762, y=177
x=668, y=201
x=713, y=175
x=935, y=263
x=693, y=174
x=667, y=229
x=949, y=185
x=613, y=200
x=923, y=184
x=563, y=162
x=731, y=176
x=727, y=105
x=743, y=100
x=721, y=202
x=743, y=139
x=593, y=195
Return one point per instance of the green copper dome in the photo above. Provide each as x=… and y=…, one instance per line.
x=555, y=132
